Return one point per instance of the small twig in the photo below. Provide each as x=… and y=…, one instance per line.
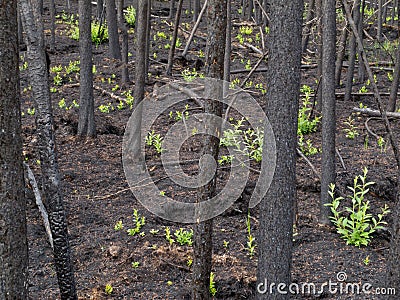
x=341, y=159
x=368, y=129
x=253, y=70
x=308, y=162
x=174, y=265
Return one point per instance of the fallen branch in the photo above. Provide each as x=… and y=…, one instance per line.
x=375, y=113
x=255, y=49
x=112, y=95
x=311, y=66
x=39, y=203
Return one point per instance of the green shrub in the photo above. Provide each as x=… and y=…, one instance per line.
x=357, y=225
x=130, y=15
x=99, y=33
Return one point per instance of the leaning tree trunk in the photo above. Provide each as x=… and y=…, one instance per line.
x=47, y=150
x=328, y=169
x=214, y=67
x=86, y=123
x=276, y=208
x=13, y=234
x=113, y=37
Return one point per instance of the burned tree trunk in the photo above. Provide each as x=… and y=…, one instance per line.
x=277, y=207
x=214, y=67
x=86, y=123
x=47, y=150
x=13, y=233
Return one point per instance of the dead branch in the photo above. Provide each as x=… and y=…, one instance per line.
x=375, y=113
x=196, y=25
x=301, y=154
x=341, y=159
x=112, y=95
x=39, y=203
x=369, y=130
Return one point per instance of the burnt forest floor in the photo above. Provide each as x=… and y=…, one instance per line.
x=97, y=196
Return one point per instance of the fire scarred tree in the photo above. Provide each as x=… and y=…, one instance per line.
x=214, y=67
x=13, y=234
x=276, y=208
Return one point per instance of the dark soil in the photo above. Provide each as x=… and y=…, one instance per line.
x=97, y=195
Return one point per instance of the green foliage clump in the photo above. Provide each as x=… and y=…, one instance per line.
x=99, y=32
x=305, y=124
x=357, y=225
x=184, y=237
x=130, y=15
x=253, y=140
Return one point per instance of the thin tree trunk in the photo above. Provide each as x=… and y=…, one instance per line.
x=341, y=53
x=171, y=9
x=174, y=37
x=214, y=67
x=393, y=12
x=47, y=150
x=396, y=74
x=39, y=4
x=227, y=57
x=113, y=37
x=86, y=122
x=53, y=25
x=140, y=81
x=379, y=16
x=318, y=6
x=13, y=231
x=276, y=208
x=249, y=9
x=148, y=28
x=360, y=26
x=20, y=31
x=196, y=9
x=307, y=28
x=100, y=10
x=352, y=53
x=328, y=169
x=124, y=48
